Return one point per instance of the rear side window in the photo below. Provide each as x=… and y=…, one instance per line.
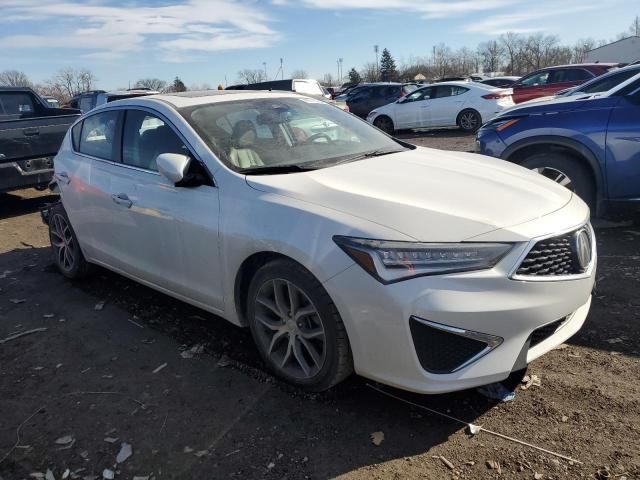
x=449, y=91
x=98, y=135
x=145, y=137
x=12, y=104
x=570, y=75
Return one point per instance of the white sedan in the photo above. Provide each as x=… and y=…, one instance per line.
x=465, y=104
x=341, y=248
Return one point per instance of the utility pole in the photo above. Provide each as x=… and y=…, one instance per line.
x=282, y=68
x=265, y=70
x=375, y=49
x=340, y=71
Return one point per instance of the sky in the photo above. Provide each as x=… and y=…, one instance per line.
x=208, y=41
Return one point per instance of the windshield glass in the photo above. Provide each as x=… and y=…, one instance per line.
x=279, y=132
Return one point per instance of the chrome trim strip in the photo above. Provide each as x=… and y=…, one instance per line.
x=556, y=278
x=492, y=341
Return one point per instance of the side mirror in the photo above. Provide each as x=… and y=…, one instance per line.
x=173, y=166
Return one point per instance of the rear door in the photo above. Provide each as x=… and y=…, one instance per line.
x=359, y=102
x=623, y=146
x=383, y=95
x=448, y=101
x=563, y=78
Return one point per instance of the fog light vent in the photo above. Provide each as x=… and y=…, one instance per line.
x=444, y=349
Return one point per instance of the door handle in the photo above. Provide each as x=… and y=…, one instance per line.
x=121, y=199
x=30, y=132
x=62, y=177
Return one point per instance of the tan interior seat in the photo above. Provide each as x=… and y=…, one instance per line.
x=242, y=154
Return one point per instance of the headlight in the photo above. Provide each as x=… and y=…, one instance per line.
x=500, y=124
x=390, y=261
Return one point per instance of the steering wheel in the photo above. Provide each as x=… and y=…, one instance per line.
x=316, y=136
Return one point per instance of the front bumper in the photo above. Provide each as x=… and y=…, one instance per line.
x=378, y=321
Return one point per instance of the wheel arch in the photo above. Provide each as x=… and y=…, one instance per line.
x=520, y=150
x=245, y=274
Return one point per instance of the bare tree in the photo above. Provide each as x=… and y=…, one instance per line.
x=580, y=49
x=299, y=74
x=250, y=76
x=14, y=78
x=328, y=80
x=634, y=28
x=72, y=82
x=369, y=72
x=441, y=59
x=151, y=83
x=492, y=55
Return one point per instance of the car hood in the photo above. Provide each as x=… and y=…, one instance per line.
x=429, y=195
x=555, y=104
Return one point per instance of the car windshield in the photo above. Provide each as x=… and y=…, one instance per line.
x=274, y=134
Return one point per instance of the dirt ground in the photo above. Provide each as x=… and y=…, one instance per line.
x=110, y=368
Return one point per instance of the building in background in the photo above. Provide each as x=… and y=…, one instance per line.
x=626, y=50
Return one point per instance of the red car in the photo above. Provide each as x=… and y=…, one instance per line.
x=548, y=81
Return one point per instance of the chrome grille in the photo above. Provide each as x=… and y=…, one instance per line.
x=552, y=257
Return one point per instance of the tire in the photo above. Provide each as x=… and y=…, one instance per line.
x=64, y=245
x=469, y=121
x=567, y=171
x=293, y=348
x=385, y=124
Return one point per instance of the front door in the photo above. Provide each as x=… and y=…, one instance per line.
x=623, y=147
x=448, y=101
x=413, y=111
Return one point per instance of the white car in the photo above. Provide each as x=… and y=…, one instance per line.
x=341, y=248
x=465, y=104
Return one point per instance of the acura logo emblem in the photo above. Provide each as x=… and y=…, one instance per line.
x=582, y=248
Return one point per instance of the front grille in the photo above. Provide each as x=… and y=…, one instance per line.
x=440, y=351
x=541, y=334
x=551, y=257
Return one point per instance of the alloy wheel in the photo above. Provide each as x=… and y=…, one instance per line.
x=556, y=175
x=62, y=242
x=290, y=329
x=469, y=121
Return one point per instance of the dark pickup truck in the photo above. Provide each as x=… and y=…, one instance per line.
x=31, y=133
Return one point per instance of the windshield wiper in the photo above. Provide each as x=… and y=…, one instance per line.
x=274, y=169
x=372, y=153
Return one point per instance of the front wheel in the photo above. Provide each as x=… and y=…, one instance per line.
x=296, y=327
x=469, y=121
x=385, y=124
x=566, y=171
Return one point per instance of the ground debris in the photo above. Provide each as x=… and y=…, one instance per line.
x=125, y=452
x=66, y=440
x=224, y=361
x=99, y=306
x=111, y=439
x=494, y=465
x=108, y=474
x=17, y=301
x=22, y=334
x=160, y=367
x=538, y=476
x=49, y=475
x=530, y=381
x=193, y=351
x=377, y=438
x=448, y=464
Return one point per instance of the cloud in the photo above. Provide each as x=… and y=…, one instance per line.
x=427, y=9
x=108, y=30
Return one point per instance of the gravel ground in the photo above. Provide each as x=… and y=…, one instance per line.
x=110, y=368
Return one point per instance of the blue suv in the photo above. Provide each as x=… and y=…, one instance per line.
x=588, y=143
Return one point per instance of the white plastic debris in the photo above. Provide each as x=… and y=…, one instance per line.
x=99, y=306
x=159, y=368
x=125, y=452
x=49, y=475
x=377, y=438
x=108, y=474
x=66, y=440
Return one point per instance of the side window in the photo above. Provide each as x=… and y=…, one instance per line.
x=17, y=104
x=362, y=95
x=608, y=83
x=98, y=135
x=75, y=135
x=569, y=75
x=145, y=137
x=86, y=103
x=536, y=79
x=422, y=94
x=449, y=91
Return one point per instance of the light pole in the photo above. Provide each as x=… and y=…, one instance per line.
x=340, y=72
x=265, y=70
x=281, y=69
x=375, y=49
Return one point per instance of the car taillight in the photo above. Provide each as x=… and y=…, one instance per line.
x=402, y=92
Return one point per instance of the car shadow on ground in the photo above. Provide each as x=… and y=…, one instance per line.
x=321, y=435
x=14, y=205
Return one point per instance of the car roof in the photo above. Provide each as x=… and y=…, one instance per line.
x=203, y=97
x=580, y=65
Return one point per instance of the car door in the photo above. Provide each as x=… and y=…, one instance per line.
x=562, y=78
x=358, y=103
x=623, y=146
x=446, y=104
x=166, y=234
x=413, y=110
x=531, y=86
x=383, y=95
